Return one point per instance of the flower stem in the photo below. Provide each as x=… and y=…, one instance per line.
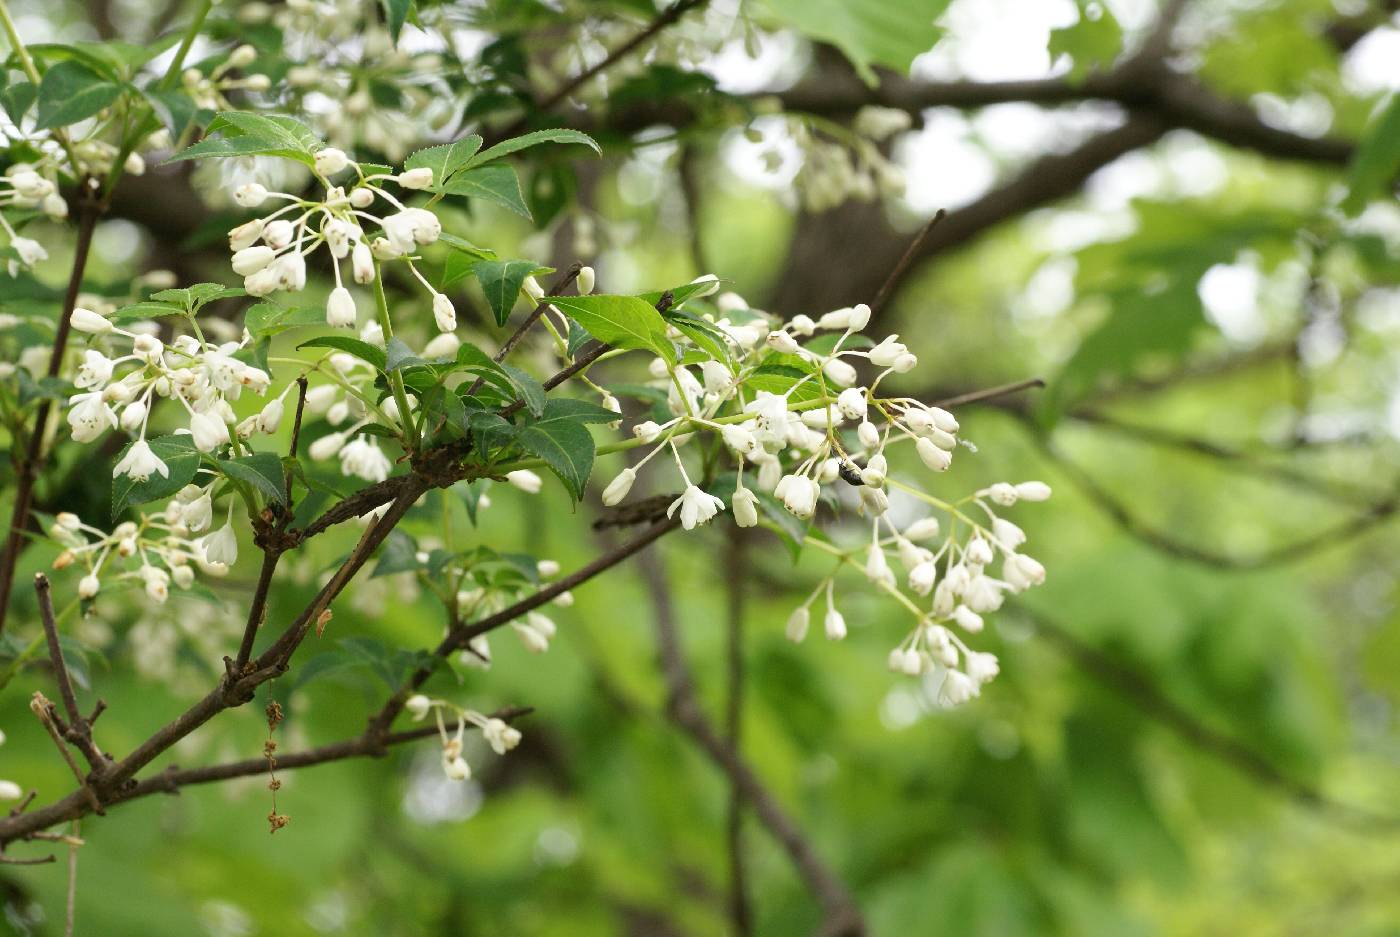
x=395, y=378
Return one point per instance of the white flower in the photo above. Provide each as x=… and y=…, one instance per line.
x=868, y=434
x=797, y=624
x=221, y=546
x=95, y=370
x=139, y=462
x=456, y=768
x=799, y=494
x=30, y=251
x=852, y=404
x=526, y=480
x=88, y=586
x=442, y=345
x=981, y=667
x=979, y=551
x=363, y=458
x=875, y=471
x=925, y=528
x=647, y=431
x=887, y=352
x=586, y=280
x=198, y=513
x=9, y=790
x=330, y=161
x=1007, y=534
x=738, y=439
x=278, y=234
x=209, y=432
x=839, y=372
x=932, y=456
x=362, y=263
x=877, y=568
x=250, y=260
x=619, y=487
x=957, y=688
x=85, y=320
x=419, y=178
x=340, y=308
x=834, y=623
x=245, y=235
x=327, y=446
x=696, y=506
x=783, y=343
x=967, y=619
x=745, y=504
x=250, y=194
x=444, y=313
x=500, y=736
x=418, y=706
x=90, y=416
x=270, y=417
x=1033, y=491
x=921, y=578
x=1023, y=571
x=983, y=594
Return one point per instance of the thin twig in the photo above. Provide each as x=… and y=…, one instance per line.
x=897, y=274
x=28, y=471
x=842, y=917
x=44, y=594
x=672, y=13
x=46, y=715
x=735, y=567
x=1140, y=690
x=71, y=905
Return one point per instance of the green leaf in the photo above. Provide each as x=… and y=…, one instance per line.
x=362, y=350
x=891, y=33
x=267, y=319
x=445, y=160
x=396, y=13
x=498, y=184
x=17, y=99
x=399, y=355
x=145, y=310
x=580, y=411
x=566, y=446
x=181, y=460
x=780, y=379
x=702, y=333
x=398, y=555
x=620, y=321
x=1377, y=160
x=500, y=282
x=246, y=134
x=1091, y=43
x=71, y=91
x=262, y=470
x=530, y=390
x=516, y=144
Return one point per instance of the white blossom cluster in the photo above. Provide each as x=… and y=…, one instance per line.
x=829, y=433
x=155, y=551
x=499, y=734
x=33, y=187
x=482, y=597
x=205, y=378
x=270, y=252
x=209, y=90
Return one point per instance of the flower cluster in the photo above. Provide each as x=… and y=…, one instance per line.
x=826, y=434
x=32, y=187
x=154, y=551
x=205, y=378
x=499, y=734
x=270, y=251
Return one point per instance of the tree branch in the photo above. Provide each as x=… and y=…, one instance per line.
x=842, y=918
x=28, y=470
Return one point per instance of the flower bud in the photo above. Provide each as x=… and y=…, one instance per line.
x=869, y=435
x=619, y=487
x=797, y=624
x=444, y=313
x=85, y=320
x=88, y=586
x=340, y=308
x=250, y=194
x=935, y=458
x=1033, y=491
x=834, y=623
x=250, y=260
x=526, y=480
x=419, y=178
x=586, y=280
x=417, y=706
x=330, y=161
x=782, y=342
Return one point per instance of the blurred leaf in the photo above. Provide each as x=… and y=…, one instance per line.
x=891, y=33
x=1376, y=164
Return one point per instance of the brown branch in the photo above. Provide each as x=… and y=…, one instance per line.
x=365, y=745
x=1140, y=690
x=672, y=13
x=1337, y=535
x=79, y=731
x=28, y=470
x=735, y=567
x=897, y=274
x=842, y=917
